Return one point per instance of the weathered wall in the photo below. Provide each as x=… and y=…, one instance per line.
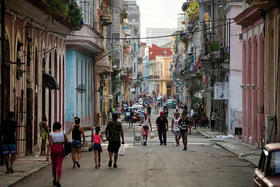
x=79, y=74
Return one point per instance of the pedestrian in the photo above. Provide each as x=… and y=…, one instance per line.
x=44, y=132
x=149, y=110
x=145, y=127
x=97, y=137
x=213, y=116
x=9, y=147
x=77, y=131
x=130, y=119
x=56, y=140
x=114, y=132
x=175, y=128
x=165, y=110
x=162, y=127
x=184, y=126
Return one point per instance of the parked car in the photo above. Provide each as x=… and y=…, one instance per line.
x=268, y=171
x=171, y=103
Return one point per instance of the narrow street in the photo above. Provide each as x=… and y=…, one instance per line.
x=204, y=164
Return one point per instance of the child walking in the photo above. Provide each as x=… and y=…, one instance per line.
x=97, y=147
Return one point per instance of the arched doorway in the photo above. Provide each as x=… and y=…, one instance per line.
x=7, y=78
x=50, y=93
x=55, y=93
x=5, y=107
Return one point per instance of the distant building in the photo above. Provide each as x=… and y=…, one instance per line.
x=160, y=82
x=152, y=32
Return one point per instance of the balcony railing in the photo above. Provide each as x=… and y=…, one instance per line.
x=106, y=17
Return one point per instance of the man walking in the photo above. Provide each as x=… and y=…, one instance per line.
x=114, y=132
x=149, y=110
x=184, y=126
x=162, y=127
x=9, y=147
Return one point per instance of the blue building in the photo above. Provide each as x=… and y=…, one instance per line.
x=80, y=72
x=82, y=50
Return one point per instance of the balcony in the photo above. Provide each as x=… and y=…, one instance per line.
x=106, y=16
x=86, y=40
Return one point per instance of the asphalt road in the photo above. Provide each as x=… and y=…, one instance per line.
x=204, y=164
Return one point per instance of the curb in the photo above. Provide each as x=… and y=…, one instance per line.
x=203, y=134
x=38, y=169
x=241, y=158
x=224, y=147
x=29, y=174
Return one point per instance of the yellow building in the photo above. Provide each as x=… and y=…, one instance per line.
x=164, y=83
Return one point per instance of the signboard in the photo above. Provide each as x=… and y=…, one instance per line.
x=221, y=91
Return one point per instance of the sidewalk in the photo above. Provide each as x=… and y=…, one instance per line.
x=23, y=167
x=234, y=145
x=28, y=165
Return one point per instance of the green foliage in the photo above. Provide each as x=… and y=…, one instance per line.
x=193, y=11
x=115, y=82
x=195, y=87
x=213, y=46
x=123, y=16
x=75, y=16
x=72, y=13
x=196, y=101
x=58, y=6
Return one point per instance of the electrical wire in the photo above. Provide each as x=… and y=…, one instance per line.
x=135, y=38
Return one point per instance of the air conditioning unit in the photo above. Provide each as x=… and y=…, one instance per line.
x=270, y=129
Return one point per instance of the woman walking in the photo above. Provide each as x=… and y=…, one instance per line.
x=97, y=137
x=44, y=129
x=146, y=123
x=56, y=140
x=77, y=131
x=175, y=128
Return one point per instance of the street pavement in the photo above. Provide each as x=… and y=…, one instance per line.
x=204, y=164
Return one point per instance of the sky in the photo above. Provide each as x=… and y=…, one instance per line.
x=159, y=13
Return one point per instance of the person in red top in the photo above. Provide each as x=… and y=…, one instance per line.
x=97, y=147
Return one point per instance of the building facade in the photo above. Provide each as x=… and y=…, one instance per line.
x=234, y=121
x=34, y=69
x=253, y=128
x=82, y=99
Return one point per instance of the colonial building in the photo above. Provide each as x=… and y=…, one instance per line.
x=253, y=128
x=84, y=63
x=34, y=68
x=159, y=73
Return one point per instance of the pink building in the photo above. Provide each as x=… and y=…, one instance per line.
x=252, y=22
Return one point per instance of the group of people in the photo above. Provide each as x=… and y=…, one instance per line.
x=54, y=142
x=181, y=127
x=57, y=138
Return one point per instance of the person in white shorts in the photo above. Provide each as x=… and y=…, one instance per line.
x=175, y=128
x=146, y=123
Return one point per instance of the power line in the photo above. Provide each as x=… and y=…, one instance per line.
x=135, y=38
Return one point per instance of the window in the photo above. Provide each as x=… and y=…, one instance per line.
x=274, y=167
x=262, y=162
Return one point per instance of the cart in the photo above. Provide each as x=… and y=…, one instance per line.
x=137, y=133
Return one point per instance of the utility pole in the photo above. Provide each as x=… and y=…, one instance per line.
x=2, y=70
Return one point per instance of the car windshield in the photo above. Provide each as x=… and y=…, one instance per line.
x=274, y=167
